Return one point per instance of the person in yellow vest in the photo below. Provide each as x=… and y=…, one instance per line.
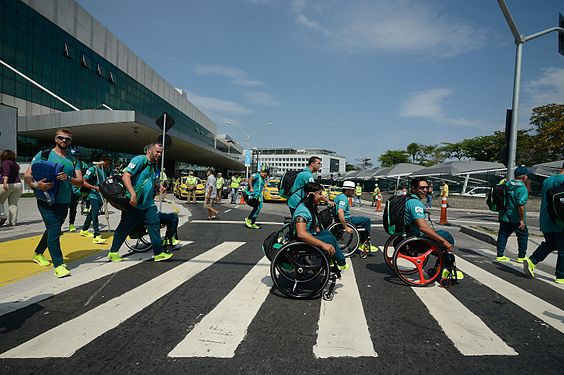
x=375, y=194
x=219, y=185
x=235, y=183
x=358, y=194
x=444, y=189
x=191, y=182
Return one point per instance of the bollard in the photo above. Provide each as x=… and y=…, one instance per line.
x=443, y=220
x=379, y=203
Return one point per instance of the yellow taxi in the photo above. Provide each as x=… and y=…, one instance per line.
x=270, y=192
x=333, y=191
x=182, y=190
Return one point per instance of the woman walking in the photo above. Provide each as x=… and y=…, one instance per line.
x=11, y=189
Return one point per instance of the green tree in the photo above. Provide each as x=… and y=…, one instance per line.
x=453, y=150
x=548, y=123
x=393, y=157
x=349, y=167
x=413, y=149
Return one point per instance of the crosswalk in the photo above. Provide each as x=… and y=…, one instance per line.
x=345, y=328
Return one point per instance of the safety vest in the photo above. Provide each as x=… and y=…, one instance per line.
x=376, y=191
x=219, y=183
x=191, y=181
x=358, y=190
x=235, y=182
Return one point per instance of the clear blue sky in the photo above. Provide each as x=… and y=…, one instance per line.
x=354, y=76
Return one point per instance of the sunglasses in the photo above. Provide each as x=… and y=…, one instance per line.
x=63, y=138
x=423, y=187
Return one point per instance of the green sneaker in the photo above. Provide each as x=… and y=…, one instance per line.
x=85, y=233
x=502, y=259
x=162, y=256
x=529, y=267
x=344, y=267
x=248, y=222
x=174, y=241
x=114, y=256
x=254, y=226
x=72, y=228
x=446, y=275
x=40, y=259
x=62, y=271
x=559, y=281
x=520, y=260
x=99, y=240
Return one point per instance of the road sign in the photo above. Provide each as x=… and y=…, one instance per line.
x=169, y=122
x=167, y=141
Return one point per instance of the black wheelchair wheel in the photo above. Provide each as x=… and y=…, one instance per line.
x=139, y=245
x=347, y=242
x=389, y=247
x=418, y=261
x=300, y=270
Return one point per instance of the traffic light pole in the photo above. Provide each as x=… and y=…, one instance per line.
x=162, y=166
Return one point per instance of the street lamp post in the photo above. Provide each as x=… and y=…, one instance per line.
x=520, y=40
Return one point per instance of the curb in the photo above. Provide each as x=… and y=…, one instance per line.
x=478, y=235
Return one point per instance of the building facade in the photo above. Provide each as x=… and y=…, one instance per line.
x=281, y=160
x=60, y=67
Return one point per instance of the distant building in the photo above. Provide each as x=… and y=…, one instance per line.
x=280, y=160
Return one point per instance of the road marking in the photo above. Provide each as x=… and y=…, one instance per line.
x=228, y=210
x=221, y=331
x=469, y=334
x=550, y=314
x=65, y=339
x=343, y=331
x=233, y=222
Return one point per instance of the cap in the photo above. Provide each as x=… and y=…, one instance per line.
x=74, y=152
x=521, y=171
x=348, y=185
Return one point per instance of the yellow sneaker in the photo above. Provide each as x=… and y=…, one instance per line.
x=40, y=259
x=99, y=240
x=529, y=267
x=114, y=256
x=62, y=271
x=344, y=267
x=503, y=259
x=72, y=228
x=559, y=281
x=85, y=233
x=459, y=275
x=162, y=256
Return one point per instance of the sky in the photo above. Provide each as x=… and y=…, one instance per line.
x=358, y=77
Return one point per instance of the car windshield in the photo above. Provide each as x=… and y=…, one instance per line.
x=272, y=184
x=336, y=189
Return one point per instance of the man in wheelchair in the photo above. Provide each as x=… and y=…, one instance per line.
x=306, y=225
x=344, y=215
x=417, y=225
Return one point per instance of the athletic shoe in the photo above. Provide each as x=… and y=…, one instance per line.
x=40, y=259
x=114, y=256
x=529, y=267
x=248, y=222
x=85, y=233
x=162, y=256
x=344, y=267
x=446, y=275
x=99, y=240
x=72, y=228
x=254, y=226
x=559, y=281
x=502, y=259
x=372, y=248
x=520, y=260
x=62, y=271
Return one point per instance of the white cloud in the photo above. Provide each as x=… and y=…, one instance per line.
x=429, y=105
x=401, y=26
x=549, y=88
x=262, y=98
x=237, y=76
x=217, y=106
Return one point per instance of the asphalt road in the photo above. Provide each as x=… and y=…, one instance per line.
x=181, y=316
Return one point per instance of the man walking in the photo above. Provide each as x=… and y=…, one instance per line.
x=77, y=194
x=55, y=213
x=211, y=194
x=358, y=194
x=375, y=195
x=305, y=176
x=235, y=183
x=514, y=217
x=191, y=182
x=219, y=185
x=92, y=179
x=256, y=184
x=552, y=232
x=140, y=179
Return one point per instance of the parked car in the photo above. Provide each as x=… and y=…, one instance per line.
x=182, y=188
x=271, y=193
x=479, y=191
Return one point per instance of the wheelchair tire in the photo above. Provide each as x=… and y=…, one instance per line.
x=414, y=257
x=139, y=245
x=347, y=242
x=300, y=270
x=389, y=247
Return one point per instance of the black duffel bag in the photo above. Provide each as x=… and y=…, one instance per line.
x=113, y=190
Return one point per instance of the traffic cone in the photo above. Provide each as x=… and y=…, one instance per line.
x=443, y=220
x=242, y=201
x=350, y=202
x=379, y=203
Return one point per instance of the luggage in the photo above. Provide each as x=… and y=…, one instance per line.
x=113, y=190
x=497, y=198
x=555, y=204
x=286, y=183
x=48, y=170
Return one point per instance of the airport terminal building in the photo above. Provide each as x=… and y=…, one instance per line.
x=281, y=160
x=59, y=67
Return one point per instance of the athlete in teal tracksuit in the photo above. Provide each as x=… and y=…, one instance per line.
x=256, y=184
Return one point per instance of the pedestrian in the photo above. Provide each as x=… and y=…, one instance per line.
x=164, y=183
x=305, y=176
x=11, y=187
x=235, y=183
x=140, y=180
x=358, y=194
x=430, y=196
x=170, y=221
x=191, y=182
x=513, y=219
x=93, y=177
x=211, y=194
x=219, y=185
x=444, y=189
x=254, y=191
x=552, y=232
x=54, y=213
x=375, y=194
x=78, y=193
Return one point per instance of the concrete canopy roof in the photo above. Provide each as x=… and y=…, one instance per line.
x=123, y=131
x=398, y=170
x=547, y=169
x=460, y=167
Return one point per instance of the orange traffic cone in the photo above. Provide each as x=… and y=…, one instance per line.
x=242, y=201
x=350, y=202
x=443, y=220
x=379, y=203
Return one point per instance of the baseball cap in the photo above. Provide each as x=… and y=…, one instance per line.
x=521, y=171
x=74, y=152
x=348, y=185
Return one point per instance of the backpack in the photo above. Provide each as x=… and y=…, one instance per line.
x=497, y=198
x=113, y=190
x=394, y=215
x=555, y=204
x=286, y=183
x=251, y=201
x=276, y=240
x=325, y=217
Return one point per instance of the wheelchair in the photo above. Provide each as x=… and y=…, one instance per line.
x=299, y=270
x=418, y=261
x=348, y=242
x=139, y=241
